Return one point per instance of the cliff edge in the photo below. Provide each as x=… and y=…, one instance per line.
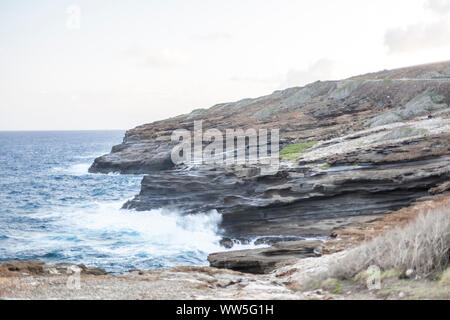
x=350, y=149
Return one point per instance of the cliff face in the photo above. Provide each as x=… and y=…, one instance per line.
x=378, y=142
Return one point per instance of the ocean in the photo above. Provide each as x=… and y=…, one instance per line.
x=52, y=209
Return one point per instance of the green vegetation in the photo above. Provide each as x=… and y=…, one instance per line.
x=391, y=273
x=445, y=278
x=337, y=289
x=293, y=151
x=325, y=166
x=332, y=285
x=437, y=98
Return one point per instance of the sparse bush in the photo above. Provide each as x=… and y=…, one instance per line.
x=423, y=246
x=445, y=278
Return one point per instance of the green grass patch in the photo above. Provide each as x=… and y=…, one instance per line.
x=332, y=285
x=293, y=151
x=325, y=166
x=391, y=273
x=337, y=289
x=445, y=278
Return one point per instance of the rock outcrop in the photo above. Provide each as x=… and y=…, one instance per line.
x=374, y=144
x=318, y=111
x=37, y=267
x=260, y=261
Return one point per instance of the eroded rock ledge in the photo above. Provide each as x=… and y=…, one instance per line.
x=39, y=268
x=380, y=142
x=265, y=260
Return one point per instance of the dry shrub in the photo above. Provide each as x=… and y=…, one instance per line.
x=423, y=245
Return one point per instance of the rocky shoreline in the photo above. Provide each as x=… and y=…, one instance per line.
x=290, y=279
x=363, y=147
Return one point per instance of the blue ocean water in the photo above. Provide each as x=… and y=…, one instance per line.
x=52, y=209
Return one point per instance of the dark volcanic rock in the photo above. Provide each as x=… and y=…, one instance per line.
x=297, y=201
x=133, y=158
x=267, y=259
x=382, y=141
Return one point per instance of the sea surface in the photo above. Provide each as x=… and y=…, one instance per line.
x=52, y=209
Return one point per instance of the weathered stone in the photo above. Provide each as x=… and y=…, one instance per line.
x=37, y=267
x=18, y=267
x=267, y=259
x=440, y=188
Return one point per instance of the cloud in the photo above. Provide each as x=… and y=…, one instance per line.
x=438, y=6
x=213, y=37
x=156, y=58
x=418, y=37
x=323, y=69
x=164, y=59
x=422, y=35
x=254, y=79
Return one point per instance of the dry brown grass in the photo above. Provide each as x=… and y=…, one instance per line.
x=422, y=245
x=356, y=233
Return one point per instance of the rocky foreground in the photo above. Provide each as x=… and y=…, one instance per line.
x=298, y=279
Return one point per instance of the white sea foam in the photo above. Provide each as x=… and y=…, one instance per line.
x=159, y=231
x=78, y=169
x=92, y=155
x=102, y=234
x=162, y=230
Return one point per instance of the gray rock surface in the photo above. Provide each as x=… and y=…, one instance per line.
x=260, y=261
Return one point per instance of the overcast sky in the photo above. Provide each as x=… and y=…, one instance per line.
x=109, y=64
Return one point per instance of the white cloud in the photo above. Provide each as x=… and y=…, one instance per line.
x=418, y=37
x=323, y=69
x=213, y=37
x=165, y=59
x=193, y=54
x=438, y=6
x=255, y=79
x=156, y=58
x=422, y=36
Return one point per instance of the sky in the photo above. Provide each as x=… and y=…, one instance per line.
x=110, y=64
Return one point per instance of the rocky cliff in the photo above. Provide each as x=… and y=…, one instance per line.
x=359, y=147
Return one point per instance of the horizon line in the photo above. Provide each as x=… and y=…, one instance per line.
x=59, y=130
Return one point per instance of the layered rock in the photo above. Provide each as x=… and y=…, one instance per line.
x=378, y=143
x=37, y=267
x=260, y=261
x=318, y=111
